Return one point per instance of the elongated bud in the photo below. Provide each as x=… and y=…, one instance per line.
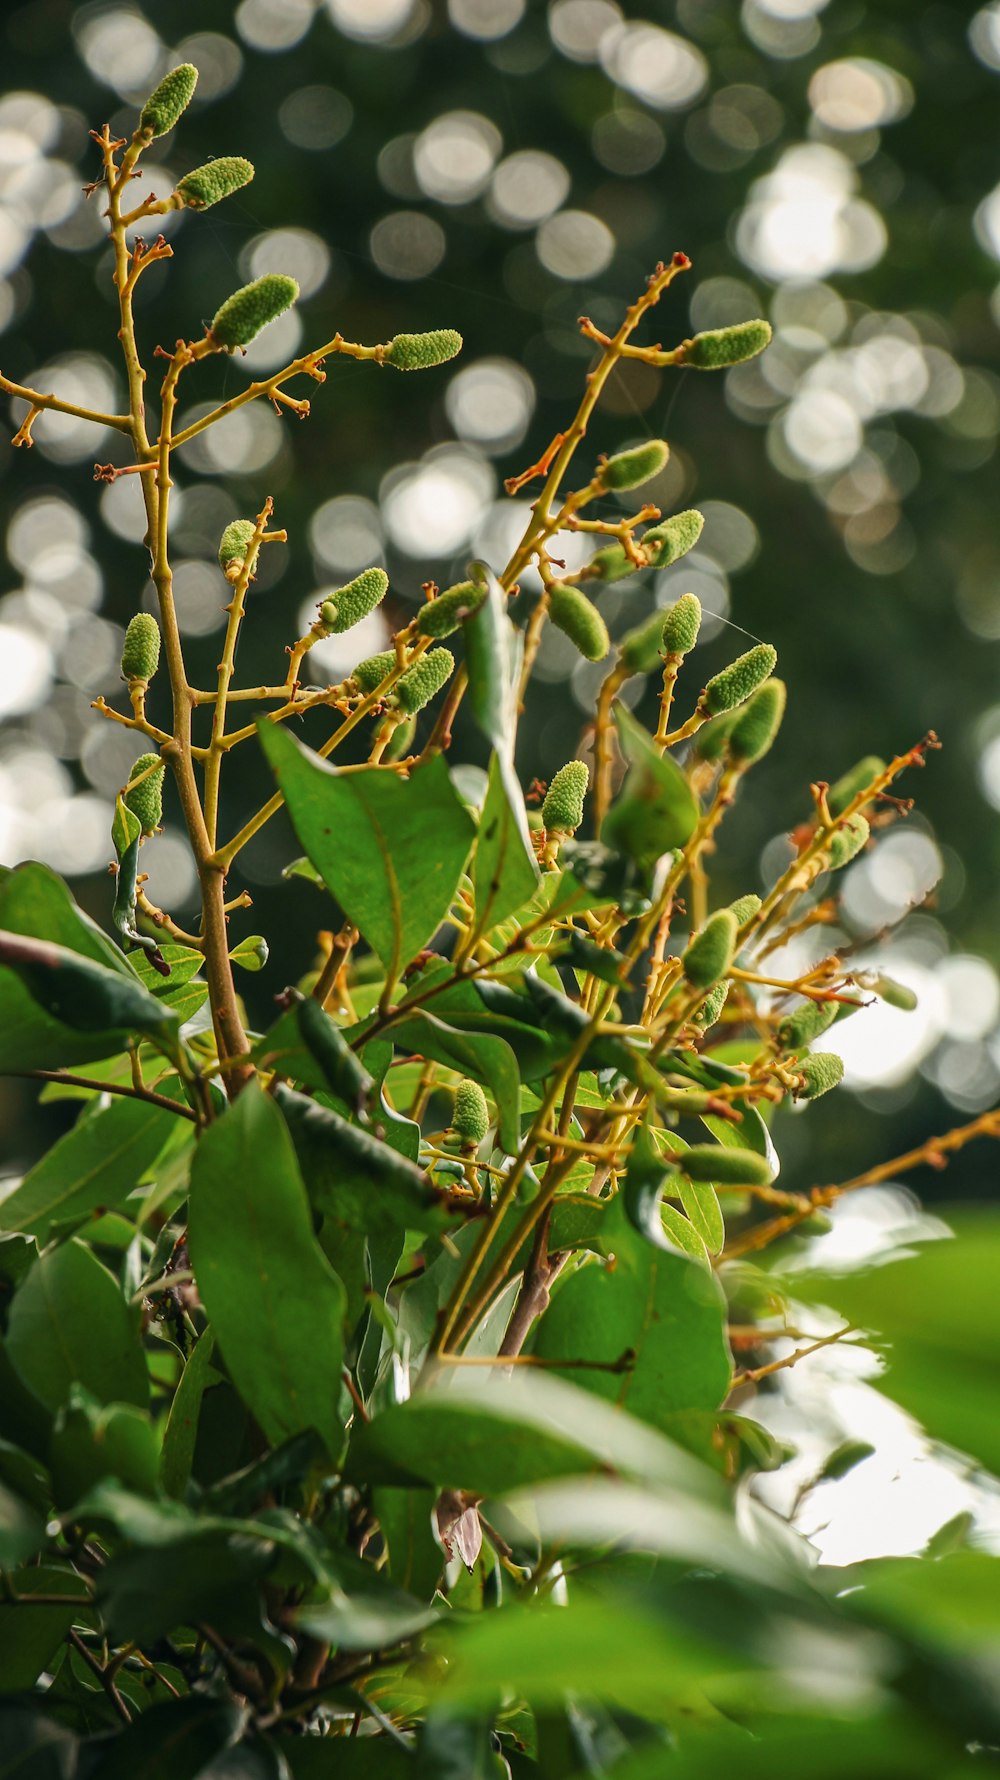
x=146, y=800
x=424, y=679
x=847, y=842
x=401, y=740
x=562, y=810
x=709, y=743
x=663, y=544
x=709, y=956
x=818, y=1074
x=735, y=683
x=233, y=547
x=758, y=723
x=207, y=185
x=372, y=671
x=744, y=909
x=719, y=347
x=681, y=625
x=420, y=352
x=713, y=1005
x=348, y=605
x=629, y=469
x=726, y=1167
x=805, y=1023
x=640, y=649
x=168, y=101
x=470, y=1118
x=895, y=994
x=441, y=616
x=572, y=611
x=846, y=789
x=248, y=310
x=141, y=649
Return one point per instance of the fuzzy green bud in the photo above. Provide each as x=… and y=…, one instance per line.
x=141, y=649
x=846, y=789
x=717, y=348
x=401, y=739
x=168, y=101
x=758, y=723
x=420, y=352
x=744, y=909
x=713, y=1005
x=799, y=1028
x=248, y=310
x=818, y=1074
x=146, y=800
x=346, y=607
x=709, y=743
x=681, y=625
x=442, y=616
x=424, y=679
x=372, y=671
x=207, y=185
x=563, y=806
x=572, y=611
x=628, y=469
x=847, y=842
x=470, y=1119
x=233, y=546
x=663, y=544
x=709, y=956
x=735, y=683
x=726, y=1167
x=640, y=649
x=893, y=993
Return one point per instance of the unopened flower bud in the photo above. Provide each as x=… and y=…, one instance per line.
x=710, y=740
x=818, y=1073
x=470, y=1119
x=346, y=607
x=719, y=347
x=709, y=956
x=628, y=469
x=563, y=807
x=735, y=683
x=663, y=544
x=847, y=842
x=420, y=352
x=168, y=101
x=441, y=616
x=233, y=546
x=805, y=1023
x=572, y=611
x=726, y=1167
x=207, y=185
x=248, y=310
x=640, y=650
x=146, y=800
x=681, y=625
x=758, y=723
x=424, y=679
x=744, y=908
x=372, y=671
x=895, y=994
x=846, y=788
x=141, y=649
x=713, y=1005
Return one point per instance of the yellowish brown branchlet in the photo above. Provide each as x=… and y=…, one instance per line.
x=562, y=811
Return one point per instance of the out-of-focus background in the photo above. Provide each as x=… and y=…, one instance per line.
x=501, y=167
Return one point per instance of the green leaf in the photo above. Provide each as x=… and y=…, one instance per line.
x=492, y=651
x=750, y=1134
x=22, y=1529
x=175, y=1740
x=87, y=997
x=69, y=1324
x=658, y=1305
x=451, y=1747
x=275, y=1303
x=96, y=1164
x=365, y=1620
x=701, y=1203
x=645, y=1179
x=34, y=1746
x=656, y=809
x=30, y=1635
x=416, y=1560
x=181, y=1431
x=488, y=1060
x=390, y=850
x=354, y=1177
x=504, y=873
x=251, y=953
x=682, y=1234
x=90, y=1443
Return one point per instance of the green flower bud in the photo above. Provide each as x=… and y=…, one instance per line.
x=709, y=956
x=348, y=605
x=800, y=1027
x=719, y=347
x=744, y=909
x=146, y=800
x=248, y=310
x=758, y=723
x=846, y=789
x=141, y=649
x=402, y=739
x=713, y=1005
x=818, y=1073
x=370, y=673
x=847, y=842
x=735, y=683
x=681, y=625
x=419, y=352
x=710, y=740
x=664, y=544
x=895, y=994
x=206, y=185
x=168, y=101
x=441, y=616
x=470, y=1119
x=562, y=810
x=572, y=611
x=233, y=546
x=628, y=469
x=640, y=649
x=424, y=679
x=726, y=1167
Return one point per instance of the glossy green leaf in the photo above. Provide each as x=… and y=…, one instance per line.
x=31, y=1635
x=645, y=1180
x=682, y=1233
x=84, y=996
x=655, y=810
x=22, y=1529
x=504, y=873
x=390, y=850
x=701, y=1203
x=488, y=1060
x=175, y=1740
x=69, y=1324
x=357, y=1179
x=96, y=1164
x=90, y=1442
x=275, y=1303
x=181, y=1431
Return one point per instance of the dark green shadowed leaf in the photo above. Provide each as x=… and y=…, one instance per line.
x=174, y=1741
x=30, y=1637
x=390, y=850
x=487, y=1059
x=274, y=1301
x=96, y=1164
x=504, y=873
x=655, y=809
x=86, y=997
x=69, y=1324
x=181, y=1431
